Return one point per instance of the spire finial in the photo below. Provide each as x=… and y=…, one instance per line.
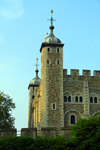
x=36, y=69
x=46, y=34
x=36, y=64
x=51, y=18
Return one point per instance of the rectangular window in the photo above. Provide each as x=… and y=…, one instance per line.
x=53, y=106
x=57, y=61
x=48, y=49
x=47, y=61
x=57, y=50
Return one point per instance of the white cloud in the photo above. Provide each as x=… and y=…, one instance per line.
x=2, y=40
x=11, y=8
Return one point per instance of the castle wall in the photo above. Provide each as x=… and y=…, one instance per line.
x=33, y=132
x=81, y=85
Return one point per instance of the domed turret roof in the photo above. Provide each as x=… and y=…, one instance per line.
x=51, y=38
x=36, y=80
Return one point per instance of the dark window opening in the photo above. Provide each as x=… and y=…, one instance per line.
x=72, y=119
x=76, y=99
x=33, y=97
x=57, y=61
x=69, y=98
x=95, y=99
x=48, y=49
x=47, y=61
x=57, y=50
x=53, y=106
x=65, y=99
x=80, y=98
x=91, y=99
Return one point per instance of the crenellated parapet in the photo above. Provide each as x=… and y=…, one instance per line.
x=75, y=72
x=96, y=73
x=86, y=72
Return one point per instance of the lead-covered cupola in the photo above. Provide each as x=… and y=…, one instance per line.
x=35, y=81
x=51, y=40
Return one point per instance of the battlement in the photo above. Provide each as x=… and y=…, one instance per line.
x=75, y=72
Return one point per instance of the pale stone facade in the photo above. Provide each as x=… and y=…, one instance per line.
x=58, y=99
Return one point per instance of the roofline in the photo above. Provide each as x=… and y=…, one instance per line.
x=51, y=45
x=31, y=85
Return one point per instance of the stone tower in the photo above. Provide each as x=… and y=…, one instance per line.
x=52, y=80
x=33, y=86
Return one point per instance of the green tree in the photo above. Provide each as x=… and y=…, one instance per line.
x=6, y=105
x=88, y=132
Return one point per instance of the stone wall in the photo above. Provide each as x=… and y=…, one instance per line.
x=36, y=107
x=48, y=132
x=29, y=132
x=32, y=132
x=8, y=132
x=84, y=86
x=55, y=87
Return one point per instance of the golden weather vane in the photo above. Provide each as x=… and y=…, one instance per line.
x=51, y=18
x=36, y=64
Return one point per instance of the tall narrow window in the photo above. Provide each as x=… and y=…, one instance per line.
x=91, y=99
x=72, y=119
x=57, y=50
x=33, y=97
x=48, y=49
x=95, y=99
x=69, y=98
x=80, y=98
x=76, y=99
x=47, y=61
x=57, y=61
x=65, y=99
x=53, y=106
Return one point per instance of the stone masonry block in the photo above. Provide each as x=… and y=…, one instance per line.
x=75, y=72
x=86, y=72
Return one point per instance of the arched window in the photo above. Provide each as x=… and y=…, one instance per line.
x=95, y=99
x=69, y=99
x=65, y=99
x=33, y=97
x=80, y=98
x=72, y=119
x=76, y=99
x=91, y=99
x=57, y=61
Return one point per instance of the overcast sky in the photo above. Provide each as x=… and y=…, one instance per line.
x=23, y=26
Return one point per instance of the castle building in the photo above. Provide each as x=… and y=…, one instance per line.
x=58, y=99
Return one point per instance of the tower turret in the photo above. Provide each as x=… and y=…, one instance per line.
x=33, y=86
x=52, y=80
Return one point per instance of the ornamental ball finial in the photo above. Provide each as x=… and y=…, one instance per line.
x=51, y=11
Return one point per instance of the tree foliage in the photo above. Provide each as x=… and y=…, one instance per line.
x=6, y=106
x=87, y=131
